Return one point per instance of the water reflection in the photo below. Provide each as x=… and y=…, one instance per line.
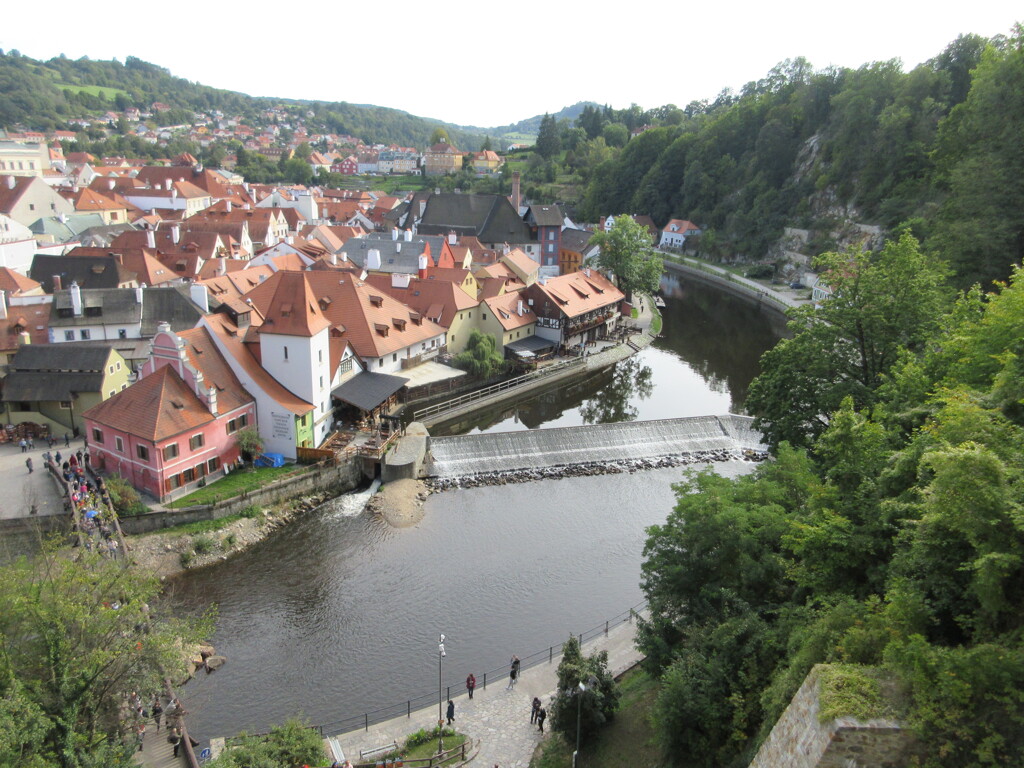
x=616, y=401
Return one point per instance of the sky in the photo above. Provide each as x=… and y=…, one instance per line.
x=472, y=64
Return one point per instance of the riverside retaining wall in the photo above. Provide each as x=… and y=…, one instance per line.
x=738, y=286
x=345, y=476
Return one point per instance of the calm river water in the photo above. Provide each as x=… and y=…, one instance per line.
x=339, y=613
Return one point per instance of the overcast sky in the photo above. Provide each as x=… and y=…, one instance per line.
x=471, y=64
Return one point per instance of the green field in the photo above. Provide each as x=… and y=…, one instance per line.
x=96, y=90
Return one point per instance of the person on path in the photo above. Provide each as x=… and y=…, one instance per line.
x=470, y=684
x=451, y=712
x=24, y=445
x=534, y=710
x=31, y=444
x=512, y=675
x=174, y=739
x=67, y=440
x=28, y=463
x=140, y=734
x=157, y=711
x=542, y=715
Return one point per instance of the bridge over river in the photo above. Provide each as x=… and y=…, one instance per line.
x=622, y=445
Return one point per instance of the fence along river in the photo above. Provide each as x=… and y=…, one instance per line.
x=338, y=614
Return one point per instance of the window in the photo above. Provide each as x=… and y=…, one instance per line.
x=142, y=452
x=551, y=235
x=121, y=334
x=380, y=363
x=170, y=451
x=69, y=335
x=119, y=444
x=84, y=334
x=188, y=475
x=111, y=369
x=394, y=358
x=174, y=481
x=485, y=316
x=97, y=435
x=320, y=355
x=286, y=353
x=194, y=442
x=213, y=464
x=111, y=393
x=65, y=404
x=124, y=386
x=321, y=382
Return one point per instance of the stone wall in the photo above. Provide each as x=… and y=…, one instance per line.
x=800, y=740
x=345, y=476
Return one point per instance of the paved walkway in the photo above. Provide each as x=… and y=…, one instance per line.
x=156, y=752
x=498, y=718
x=22, y=490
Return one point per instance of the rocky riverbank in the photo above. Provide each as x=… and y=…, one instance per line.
x=167, y=553
x=436, y=484
x=400, y=503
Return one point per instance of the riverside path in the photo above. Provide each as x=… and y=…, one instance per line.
x=498, y=719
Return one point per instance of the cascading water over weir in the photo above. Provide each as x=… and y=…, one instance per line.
x=623, y=446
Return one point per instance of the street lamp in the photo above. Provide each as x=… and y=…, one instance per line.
x=440, y=719
x=582, y=688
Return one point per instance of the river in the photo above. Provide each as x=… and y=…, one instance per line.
x=339, y=613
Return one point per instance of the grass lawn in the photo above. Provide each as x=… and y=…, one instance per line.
x=235, y=483
x=96, y=90
x=429, y=748
x=655, y=322
x=628, y=739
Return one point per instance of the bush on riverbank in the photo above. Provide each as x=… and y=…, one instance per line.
x=286, y=746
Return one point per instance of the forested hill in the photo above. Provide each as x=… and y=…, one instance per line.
x=936, y=150
x=42, y=95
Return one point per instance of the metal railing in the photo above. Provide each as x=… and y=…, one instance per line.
x=504, y=386
x=749, y=286
x=497, y=674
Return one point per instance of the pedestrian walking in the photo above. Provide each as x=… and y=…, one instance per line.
x=174, y=739
x=534, y=710
x=31, y=443
x=512, y=675
x=470, y=684
x=542, y=715
x=28, y=463
x=157, y=711
x=67, y=440
x=451, y=712
x=24, y=445
x=140, y=734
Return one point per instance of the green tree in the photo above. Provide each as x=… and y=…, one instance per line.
x=249, y=443
x=594, y=705
x=480, y=357
x=881, y=304
x=286, y=746
x=615, y=134
x=439, y=135
x=549, y=143
x=75, y=635
x=627, y=253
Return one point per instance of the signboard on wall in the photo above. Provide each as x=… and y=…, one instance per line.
x=282, y=425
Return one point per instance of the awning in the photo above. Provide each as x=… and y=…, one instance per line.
x=530, y=346
x=368, y=390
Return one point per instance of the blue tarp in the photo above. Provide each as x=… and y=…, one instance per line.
x=270, y=460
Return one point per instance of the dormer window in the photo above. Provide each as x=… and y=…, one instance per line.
x=377, y=301
x=382, y=329
x=399, y=323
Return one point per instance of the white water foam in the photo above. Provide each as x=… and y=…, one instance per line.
x=351, y=504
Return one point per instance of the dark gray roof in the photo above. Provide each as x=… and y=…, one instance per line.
x=545, y=215
x=368, y=390
x=55, y=371
x=576, y=239
x=68, y=228
x=490, y=218
x=395, y=255
x=101, y=237
x=531, y=344
x=87, y=271
x=120, y=306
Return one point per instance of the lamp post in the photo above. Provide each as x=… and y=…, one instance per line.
x=440, y=699
x=581, y=689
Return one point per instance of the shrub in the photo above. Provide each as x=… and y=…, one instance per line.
x=186, y=558
x=126, y=500
x=203, y=544
x=250, y=512
x=230, y=540
x=761, y=271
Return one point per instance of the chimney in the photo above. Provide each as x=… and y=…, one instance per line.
x=373, y=259
x=452, y=238
x=3, y=305
x=229, y=206
x=62, y=218
x=76, y=299
x=10, y=182
x=423, y=267
x=138, y=293
x=519, y=308
x=150, y=239
x=400, y=280
x=408, y=235
x=222, y=266
x=211, y=400
x=176, y=233
x=201, y=296
x=515, y=191
x=167, y=184
x=334, y=259
x=56, y=283
x=394, y=233
x=423, y=207
x=111, y=184
x=290, y=240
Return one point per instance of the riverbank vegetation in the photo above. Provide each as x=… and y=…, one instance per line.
x=887, y=533
x=292, y=744
x=235, y=484
x=76, y=634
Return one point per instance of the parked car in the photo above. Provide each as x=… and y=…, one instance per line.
x=797, y=285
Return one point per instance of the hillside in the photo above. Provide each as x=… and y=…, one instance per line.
x=38, y=95
x=530, y=127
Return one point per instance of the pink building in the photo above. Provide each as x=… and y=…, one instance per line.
x=175, y=427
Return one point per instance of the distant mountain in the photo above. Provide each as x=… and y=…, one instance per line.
x=530, y=127
x=38, y=95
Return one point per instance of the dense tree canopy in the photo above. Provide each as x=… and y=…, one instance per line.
x=627, y=253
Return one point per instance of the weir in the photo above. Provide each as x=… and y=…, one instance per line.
x=535, y=449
